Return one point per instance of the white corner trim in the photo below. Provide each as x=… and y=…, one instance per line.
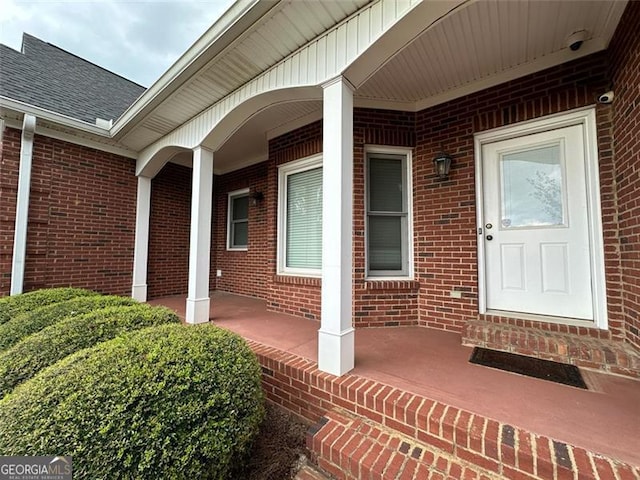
x=22, y=205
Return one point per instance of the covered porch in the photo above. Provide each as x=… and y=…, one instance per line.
x=404, y=369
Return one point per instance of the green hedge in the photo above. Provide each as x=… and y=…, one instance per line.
x=37, y=351
x=170, y=402
x=24, y=302
x=33, y=321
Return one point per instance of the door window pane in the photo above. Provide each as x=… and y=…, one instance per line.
x=532, y=188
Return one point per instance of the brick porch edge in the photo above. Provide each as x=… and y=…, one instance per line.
x=582, y=350
x=506, y=450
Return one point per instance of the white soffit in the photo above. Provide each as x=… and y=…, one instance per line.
x=486, y=43
x=289, y=26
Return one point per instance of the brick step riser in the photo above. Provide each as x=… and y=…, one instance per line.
x=506, y=451
x=581, y=350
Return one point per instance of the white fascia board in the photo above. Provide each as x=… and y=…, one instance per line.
x=19, y=110
x=214, y=41
x=50, y=116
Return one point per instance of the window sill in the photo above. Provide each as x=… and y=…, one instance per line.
x=298, y=280
x=396, y=285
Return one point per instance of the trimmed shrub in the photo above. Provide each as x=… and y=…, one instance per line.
x=37, y=351
x=33, y=321
x=170, y=402
x=24, y=302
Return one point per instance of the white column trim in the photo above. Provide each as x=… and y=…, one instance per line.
x=336, y=348
x=141, y=246
x=197, y=310
x=22, y=205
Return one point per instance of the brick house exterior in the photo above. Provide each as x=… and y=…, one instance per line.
x=82, y=209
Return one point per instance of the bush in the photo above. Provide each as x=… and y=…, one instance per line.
x=24, y=302
x=33, y=321
x=37, y=351
x=170, y=402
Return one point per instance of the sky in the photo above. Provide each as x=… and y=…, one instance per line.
x=137, y=39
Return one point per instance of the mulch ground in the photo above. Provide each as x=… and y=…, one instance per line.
x=279, y=451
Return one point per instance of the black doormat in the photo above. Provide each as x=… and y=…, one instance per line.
x=531, y=367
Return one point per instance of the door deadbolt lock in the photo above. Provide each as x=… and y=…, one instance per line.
x=489, y=237
x=488, y=226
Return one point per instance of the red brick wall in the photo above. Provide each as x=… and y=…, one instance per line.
x=81, y=216
x=445, y=221
x=292, y=295
x=168, y=268
x=378, y=303
x=243, y=272
x=444, y=212
x=9, y=164
x=625, y=76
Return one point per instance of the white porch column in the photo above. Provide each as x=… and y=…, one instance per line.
x=141, y=247
x=200, y=242
x=336, y=348
x=22, y=205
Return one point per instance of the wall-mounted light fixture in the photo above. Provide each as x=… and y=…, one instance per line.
x=442, y=164
x=256, y=197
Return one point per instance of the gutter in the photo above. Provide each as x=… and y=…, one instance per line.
x=226, y=30
x=50, y=116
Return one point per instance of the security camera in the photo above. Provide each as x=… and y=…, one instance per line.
x=576, y=39
x=606, y=97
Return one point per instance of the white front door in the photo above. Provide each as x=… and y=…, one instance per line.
x=536, y=225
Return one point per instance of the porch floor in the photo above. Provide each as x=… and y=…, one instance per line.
x=434, y=364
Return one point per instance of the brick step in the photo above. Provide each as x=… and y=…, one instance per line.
x=350, y=447
x=581, y=350
x=310, y=472
x=484, y=444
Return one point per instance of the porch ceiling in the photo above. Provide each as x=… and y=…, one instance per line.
x=485, y=43
x=478, y=45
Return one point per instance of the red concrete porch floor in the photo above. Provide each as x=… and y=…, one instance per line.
x=604, y=419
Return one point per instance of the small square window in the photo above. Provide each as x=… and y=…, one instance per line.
x=238, y=220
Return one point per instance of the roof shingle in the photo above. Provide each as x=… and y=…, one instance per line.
x=48, y=77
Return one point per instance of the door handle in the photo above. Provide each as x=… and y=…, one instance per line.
x=489, y=237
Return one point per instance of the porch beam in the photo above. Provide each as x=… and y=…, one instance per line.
x=336, y=335
x=18, y=260
x=197, y=310
x=141, y=246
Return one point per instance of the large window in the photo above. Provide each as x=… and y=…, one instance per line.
x=388, y=214
x=238, y=220
x=300, y=217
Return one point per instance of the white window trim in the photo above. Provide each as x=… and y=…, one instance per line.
x=408, y=153
x=586, y=118
x=230, y=197
x=296, y=166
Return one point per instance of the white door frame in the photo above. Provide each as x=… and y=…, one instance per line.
x=585, y=117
